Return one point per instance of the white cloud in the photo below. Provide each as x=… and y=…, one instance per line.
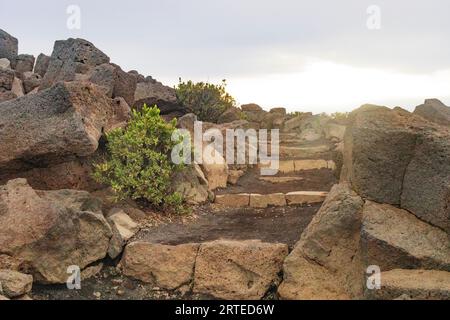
x=328, y=87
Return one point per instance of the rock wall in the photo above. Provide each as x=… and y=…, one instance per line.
x=391, y=210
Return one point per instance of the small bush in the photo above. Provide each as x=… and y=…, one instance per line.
x=206, y=100
x=138, y=164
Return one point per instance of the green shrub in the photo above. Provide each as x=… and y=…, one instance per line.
x=138, y=164
x=206, y=100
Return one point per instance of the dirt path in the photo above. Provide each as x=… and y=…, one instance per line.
x=312, y=180
x=282, y=224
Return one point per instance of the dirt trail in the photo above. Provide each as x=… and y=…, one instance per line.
x=282, y=224
x=312, y=180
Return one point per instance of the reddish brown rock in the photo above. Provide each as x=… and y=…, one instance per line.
x=49, y=232
x=166, y=267
x=238, y=269
x=53, y=126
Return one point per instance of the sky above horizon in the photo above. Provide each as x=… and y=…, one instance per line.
x=319, y=56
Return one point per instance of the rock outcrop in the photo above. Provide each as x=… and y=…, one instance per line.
x=42, y=63
x=24, y=63
x=434, y=111
x=123, y=229
x=69, y=58
x=166, y=267
x=151, y=92
x=238, y=269
x=192, y=184
x=398, y=161
x=117, y=83
x=398, y=158
x=48, y=232
x=9, y=46
x=325, y=262
x=413, y=284
x=14, y=284
x=53, y=126
x=393, y=238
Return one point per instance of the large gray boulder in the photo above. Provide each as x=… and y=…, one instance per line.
x=31, y=81
x=426, y=184
x=395, y=157
x=76, y=174
x=48, y=233
x=378, y=147
x=71, y=57
x=9, y=46
x=153, y=93
x=24, y=63
x=435, y=111
x=6, y=79
x=117, y=82
x=6, y=96
x=325, y=263
x=41, y=66
x=54, y=125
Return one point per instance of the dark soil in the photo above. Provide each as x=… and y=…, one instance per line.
x=109, y=284
x=283, y=224
x=313, y=180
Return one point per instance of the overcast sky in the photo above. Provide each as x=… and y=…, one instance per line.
x=304, y=55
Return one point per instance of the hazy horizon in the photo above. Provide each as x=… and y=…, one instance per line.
x=305, y=56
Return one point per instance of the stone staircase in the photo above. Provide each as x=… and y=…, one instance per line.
x=290, y=186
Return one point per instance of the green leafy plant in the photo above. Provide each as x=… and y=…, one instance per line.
x=138, y=164
x=208, y=101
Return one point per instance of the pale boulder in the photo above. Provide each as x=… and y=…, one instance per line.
x=47, y=236
x=238, y=269
x=14, y=284
x=234, y=176
x=413, y=284
x=5, y=63
x=267, y=200
x=233, y=200
x=325, y=263
x=393, y=238
x=165, y=267
x=305, y=197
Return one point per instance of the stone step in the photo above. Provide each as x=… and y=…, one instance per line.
x=288, y=151
x=223, y=269
x=301, y=151
x=289, y=166
x=412, y=284
x=277, y=180
x=392, y=238
x=255, y=200
x=302, y=197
